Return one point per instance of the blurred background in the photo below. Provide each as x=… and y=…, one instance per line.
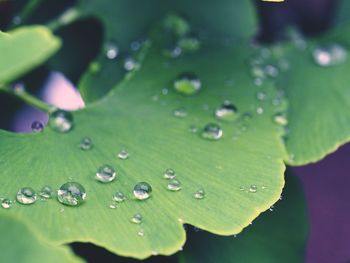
x=326, y=183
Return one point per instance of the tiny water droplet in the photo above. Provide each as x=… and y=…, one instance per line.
x=271, y=208
x=61, y=121
x=46, y=192
x=261, y=95
x=18, y=87
x=123, y=154
x=16, y=20
x=105, y=174
x=169, y=173
x=180, y=113
x=174, y=185
x=189, y=44
x=71, y=193
x=259, y=110
x=212, y=131
x=137, y=218
x=135, y=45
x=6, y=203
x=257, y=72
x=329, y=55
x=113, y=206
x=241, y=188
x=111, y=50
x=193, y=129
x=141, y=233
x=142, y=190
x=119, y=197
x=199, y=194
x=258, y=81
x=271, y=71
x=130, y=64
x=280, y=119
x=187, y=84
x=165, y=91
x=253, y=188
x=37, y=126
x=227, y=111
x=26, y=196
x=86, y=144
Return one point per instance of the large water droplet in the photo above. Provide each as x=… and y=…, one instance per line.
x=105, y=174
x=281, y=119
x=123, y=154
x=37, y=126
x=227, y=112
x=199, y=194
x=86, y=144
x=111, y=50
x=119, y=197
x=46, y=192
x=6, y=203
x=187, y=84
x=169, y=173
x=142, y=190
x=61, y=121
x=26, y=196
x=137, y=218
x=174, y=185
x=329, y=55
x=71, y=193
x=212, y=131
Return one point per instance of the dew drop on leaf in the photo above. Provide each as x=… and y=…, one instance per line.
x=137, y=218
x=180, y=113
x=61, y=121
x=253, y=188
x=187, y=84
x=169, y=173
x=6, y=203
x=227, y=111
x=119, y=197
x=130, y=64
x=142, y=190
x=199, y=194
x=71, y=193
x=280, y=119
x=259, y=110
x=46, y=192
x=123, y=154
x=105, y=174
x=329, y=55
x=86, y=144
x=37, y=126
x=141, y=233
x=26, y=196
x=212, y=131
x=111, y=50
x=174, y=185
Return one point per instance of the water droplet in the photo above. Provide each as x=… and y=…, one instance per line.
x=281, y=119
x=329, y=55
x=61, y=121
x=6, y=203
x=169, y=173
x=86, y=144
x=174, y=185
x=258, y=72
x=105, y=174
x=271, y=71
x=142, y=190
x=136, y=45
x=173, y=52
x=189, y=44
x=212, y=131
x=130, y=64
x=271, y=208
x=187, y=84
x=227, y=111
x=261, y=95
x=94, y=67
x=137, y=218
x=180, y=113
x=111, y=50
x=16, y=20
x=253, y=188
x=193, y=129
x=26, y=196
x=119, y=197
x=259, y=110
x=241, y=188
x=46, y=192
x=141, y=233
x=258, y=81
x=18, y=87
x=123, y=154
x=71, y=193
x=165, y=91
x=37, y=126
x=176, y=25
x=113, y=206
x=199, y=194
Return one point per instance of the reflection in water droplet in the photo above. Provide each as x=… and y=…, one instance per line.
x=329, y=55
x=227, y=111
x=137, y=219
x=169, y=173
x=46, y=192
x=26, y=195
x=61, y=121
x=6, y=203
x=71, y=193
x=187, y=84
x=212, y=131
x=180, y=113
x=111, y=50
x=142, y=190
x=281, y=119
x=119, y=197
x=105, y=174
x=86, y=144
x=37, y=126
x=174, y=185
x=123, y=154
x=199, y=194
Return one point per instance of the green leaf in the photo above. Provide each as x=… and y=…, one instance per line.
x=278, y=236
x=137, y=117
x=128, y=20
x=20, y=245
x=23, y=49
x=318, y=98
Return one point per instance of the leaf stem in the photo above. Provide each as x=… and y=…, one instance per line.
x=28, y=98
